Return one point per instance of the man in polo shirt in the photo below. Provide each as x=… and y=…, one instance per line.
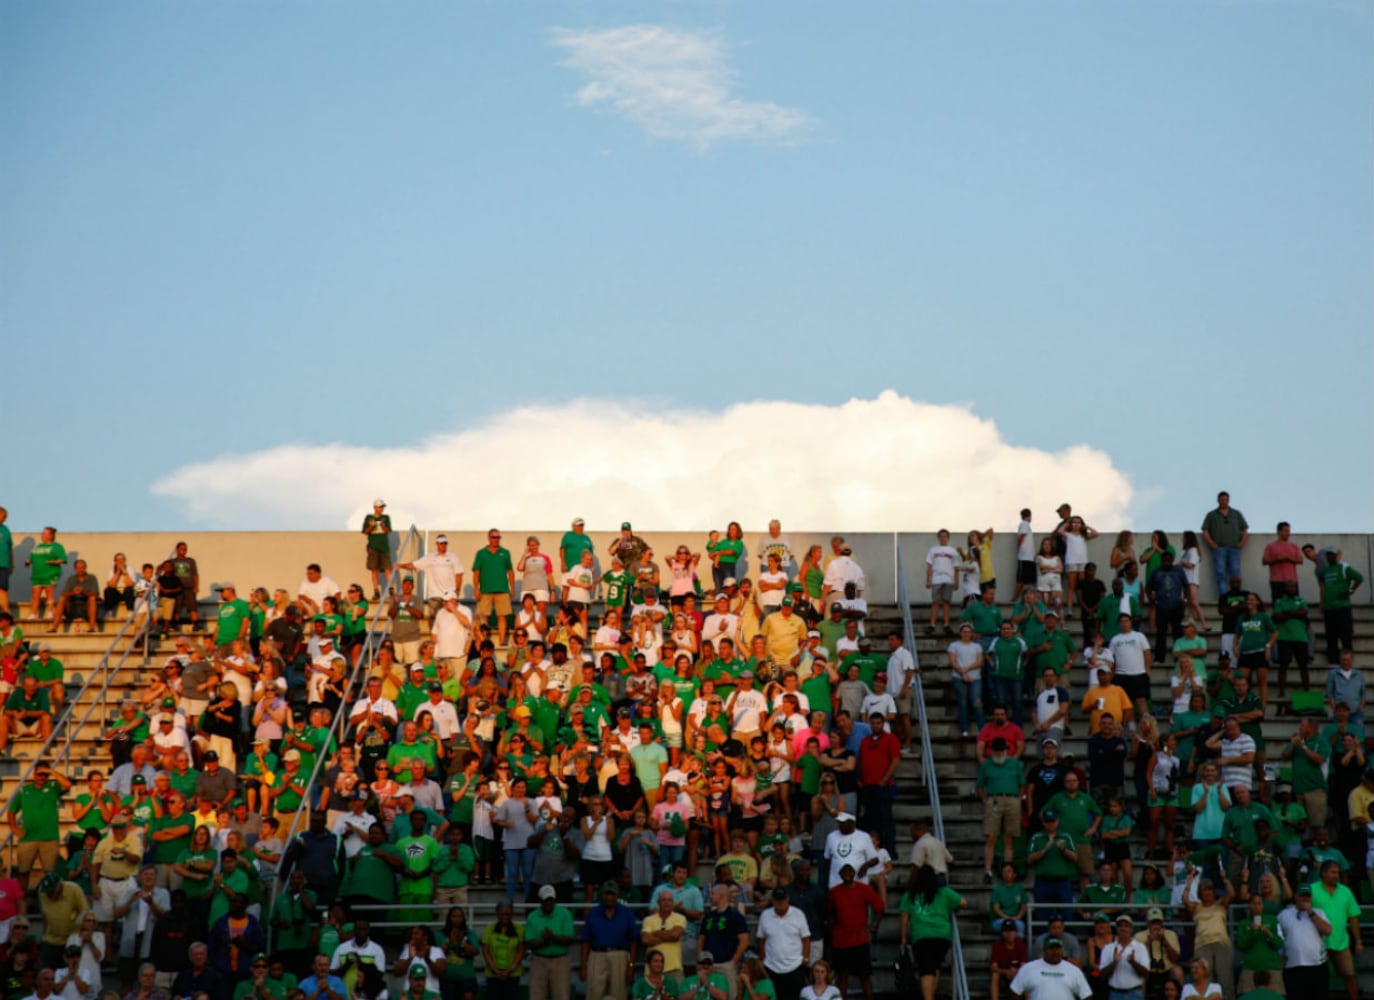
x=114, y=863
x=1050, y=978
x=687, y=901
x=1225, y=531
x=784, y=938
x=1337, y=903
x=33, y=816
x=1001, y=785
x=610, y=938
x=1009, y=732
x=549, y=938
x=1125, y=963
x=493, y=578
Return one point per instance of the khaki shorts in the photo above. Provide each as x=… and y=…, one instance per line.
x=378, y=560
x=489, y=603
x=904, y=704
x=1002, y=816
x=1085, y=859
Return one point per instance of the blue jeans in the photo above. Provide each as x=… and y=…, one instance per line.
x=1124, y=994
x=1052, y=890
x=1006, y=691
x=1225, y=564
x=968, y=695
x=519, y=868
x=671, y=854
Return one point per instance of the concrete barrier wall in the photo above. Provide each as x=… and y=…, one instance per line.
x=274, y=559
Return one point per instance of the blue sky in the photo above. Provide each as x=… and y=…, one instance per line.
x=1142, y=228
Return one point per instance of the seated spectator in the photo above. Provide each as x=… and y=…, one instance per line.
x=80, y=599
x=28, y=713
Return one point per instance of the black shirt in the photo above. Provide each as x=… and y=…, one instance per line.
x=1107, y=760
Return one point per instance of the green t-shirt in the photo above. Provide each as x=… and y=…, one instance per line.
x=573, y=545
x=1307, y=776
x=1001, y=779
x=44, y=673
x=93, y=820
x=1010, y=897
x=559, y=923
x=1006, y=656
x=186, y=783
x=140, y=810
x=1338, y=905
x=1031, y=628
x=236, y=882
x=455, y=869
x=491, y=569
x=869, y=664
x=355, y=624
x=37, y=808
x=420, y=854
x=197, y=888
x=165, y=852
x=232, y=615
x=986, y=619
x=292, y=790
x=1259, y=945
x=18, y=701
x=646, y=760
x=1195, y=648
x=816, y=687
x=45, y=575
x=1336, y=583
x=1060, y=653
x=1291, y=629
x=810, y=768
x=691, y=987
x=503, y=946
x=930, y=919
x=377, y=527
x=365, y=874
x=460, y=965
x=1112, y=823
x=410, y=697
x=1097, y=895
x=617, y=588
x=1189, y=720
x=1286, y=818
x=1253, y=632
x=245, y=991
x=1053, y=864
x=1075, y=813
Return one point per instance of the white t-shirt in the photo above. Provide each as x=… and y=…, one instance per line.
x=899, y=666
x=441, y=572
x=1047, y=704
x=1039, y=980
x=942, y=559
x=854, y=849
x=772, y=598
x=1128, y=649
x=451, y=631
x=842, y=570
x=967, y=654
x=783, y=936
x=435, y=954
x=1075, y=550
x=1125, y=976
x=718, y=625
x=1025, y=542
x=884, y=703
x=319, y=590
x=826, y=993
x=579, y=580
x=1213, y=990
x=1189, y=561
x=744, y=711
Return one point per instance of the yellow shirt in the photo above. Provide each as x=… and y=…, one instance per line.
x=784, y=635
x=1101, y=700
x=118, y=858
x=671, y=950
x=1358, y=803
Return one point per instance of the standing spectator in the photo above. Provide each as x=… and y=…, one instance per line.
x=186, y=571
x=574, y=542
x=1124, y=962
x=46, y=560
x=1052, y=855
x=33, y=816
x=1131, y=651
x=1338, y=582
x=1283, y=557
x=1001, y=786
x=966, y=677
x=610, y=938
x=1289, y=614
x=879, y=754
x=62, y=905
x=901, y=675
x=1337, y=903
x=493, y=578
x=443, y=572
x=1107, y=762
x=1003, y=662
x=139, y=910
x=1236, y=753
x=1225, y=531
x=406, y=612
x=1190, y=561
x=724, y=932
x=1305, y=929
x=377, y=528
x=941, y=560
x=1168, y=589
x=548, y=939
x=784, y=939
x=854, y=910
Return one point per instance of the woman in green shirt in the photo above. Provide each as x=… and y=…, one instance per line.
x=927, y=909
x=812, y=576
x=461, y=946
x=1187, y=726
x=1153, y=890
x=655, y=984
x=725, y=553
x=1256, y=635
x=503, y=947
x=1009, y=900
x=196, y=866
x=94, y=808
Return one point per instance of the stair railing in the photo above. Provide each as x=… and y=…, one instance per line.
x=928, y=775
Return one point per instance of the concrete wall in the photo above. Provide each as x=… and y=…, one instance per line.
x=278, y=558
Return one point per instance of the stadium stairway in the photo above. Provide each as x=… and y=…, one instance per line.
x=956, y=766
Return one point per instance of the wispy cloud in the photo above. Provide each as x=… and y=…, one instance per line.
x=674, y=84
x=883, y=464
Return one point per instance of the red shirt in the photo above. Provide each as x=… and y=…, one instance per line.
x=849, y=907
x=1010, y=732
x=876, y=754
x=1013, y=956
x=1283, y=572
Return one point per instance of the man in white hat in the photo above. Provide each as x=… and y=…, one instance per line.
x=452, y=626
x=848, y=846
x=377, y=528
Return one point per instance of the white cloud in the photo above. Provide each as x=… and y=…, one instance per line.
x=672, y=83
x=883, y=464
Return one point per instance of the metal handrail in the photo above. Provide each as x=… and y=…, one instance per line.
x=64, y=727
x=375, y=633
x=928, y=759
